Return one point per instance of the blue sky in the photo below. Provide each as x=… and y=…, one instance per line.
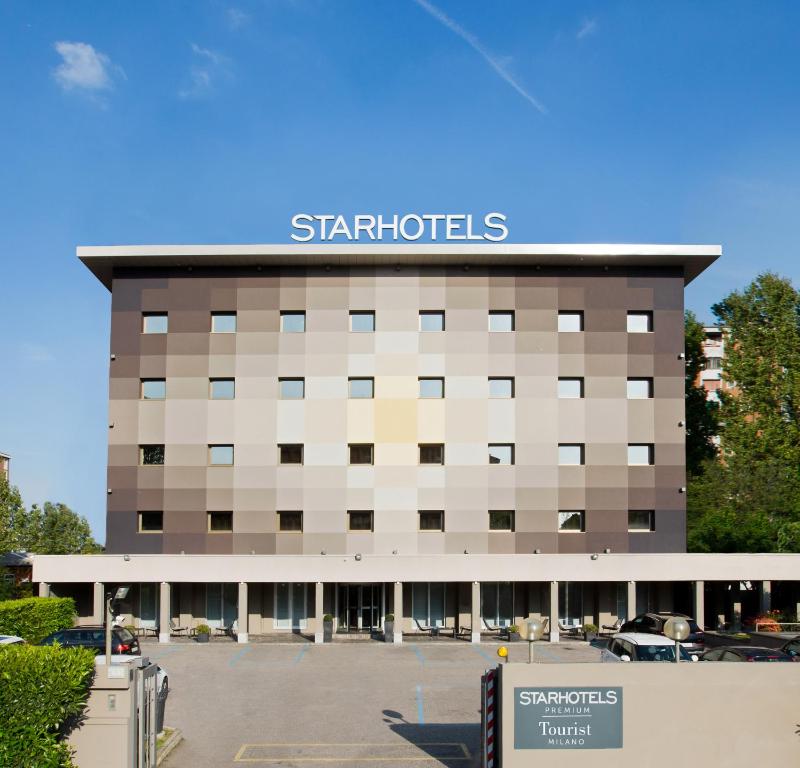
x=215, y=122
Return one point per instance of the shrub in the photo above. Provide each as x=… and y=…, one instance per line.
x=590, y=628
x=43, y=692
x=389, y=617
x=513, y=628
x=203, y=629
x=34, y=618
x=768, y=622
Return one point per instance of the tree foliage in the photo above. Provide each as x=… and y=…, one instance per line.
x=701, y=413
x=53, y=529
x=749, y=500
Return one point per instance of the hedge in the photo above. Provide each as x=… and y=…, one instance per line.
x=34, y=618
x=43, y=691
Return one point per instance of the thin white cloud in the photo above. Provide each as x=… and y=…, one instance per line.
x=587, y=27
x=35, y=353
x=237, y=18
x=204, y=75
x=82, y=67
x=498, y=64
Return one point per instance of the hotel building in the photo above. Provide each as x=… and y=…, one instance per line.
x=461, y=436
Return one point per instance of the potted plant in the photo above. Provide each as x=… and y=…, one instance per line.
x=388, y=628
x=327, y=628
x=202, y=633
x=589, y=632
x=513, y=633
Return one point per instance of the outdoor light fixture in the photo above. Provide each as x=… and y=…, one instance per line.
x=466, y=551
x=681, y=356
x=126, y=558
x=108, y=490
x=535, y=630
x=358, y=556
x=323, y=552
x=607, y=551
x=682, y=489
x=681, y=423
x=394, y=551
x=113, y=357
x=677, y=628
x=594, y=555
x=537, y=551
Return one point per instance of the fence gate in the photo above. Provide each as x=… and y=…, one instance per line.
x=490, y=731
x=146, y=682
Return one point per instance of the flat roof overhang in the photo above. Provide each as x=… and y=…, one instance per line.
x=102, y=260
x=416, y=568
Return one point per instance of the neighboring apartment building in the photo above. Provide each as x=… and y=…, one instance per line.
x=714, y=351
x=5, y=466
x=365, y=430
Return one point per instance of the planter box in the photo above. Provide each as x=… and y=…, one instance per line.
x=327, y=631
x=202, y=638
x=589, y=636
x=388, y=631
x=513, y=637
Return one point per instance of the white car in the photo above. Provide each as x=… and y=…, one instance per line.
x=10, y=640
x=638, y=646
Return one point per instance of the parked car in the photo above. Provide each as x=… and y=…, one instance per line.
x=793, y=648
x=638, y=646
x=10, y=640
x=652, y=623
x=122, y=641
x=745, y=653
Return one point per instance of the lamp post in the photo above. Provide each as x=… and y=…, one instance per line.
x=677, y=628
x=535, y=632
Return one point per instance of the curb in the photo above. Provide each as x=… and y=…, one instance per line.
x=170, y=744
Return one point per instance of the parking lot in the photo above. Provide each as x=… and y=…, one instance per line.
x=350, y=703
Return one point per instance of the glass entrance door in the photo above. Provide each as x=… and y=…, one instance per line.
x=148, y=605
x=359, y=607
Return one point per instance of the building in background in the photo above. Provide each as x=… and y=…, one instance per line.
x=5, y=466
x=458, y=435
x=714, y=351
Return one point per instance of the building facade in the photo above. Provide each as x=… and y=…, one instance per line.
x=455, y=409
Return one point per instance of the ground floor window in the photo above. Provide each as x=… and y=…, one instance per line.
x=148, y=605
x=570, y=603
x=427, y=603
x=290, y=605
x=622, y=601
x=497, y=603
x=221, y=604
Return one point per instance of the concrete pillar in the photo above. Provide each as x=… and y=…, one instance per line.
x=398, y=612
x=44, y=589
x=475, y=620
x=766, y=596
x=631, y=605
x=318, y=614
x=98, y=604
x=555, y=634
x=241, y=619
x=699, y=603
x=164, y=613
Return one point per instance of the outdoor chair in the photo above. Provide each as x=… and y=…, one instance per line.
x=492, y=628
x=612, y=629
x=569, y=629
x=229, y=631
x=174, y=629
x=430, y=630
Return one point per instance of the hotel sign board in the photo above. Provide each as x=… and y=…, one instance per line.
x=435, y=227
x=568, y=718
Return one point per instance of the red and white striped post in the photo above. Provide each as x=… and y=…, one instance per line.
x=489, y=709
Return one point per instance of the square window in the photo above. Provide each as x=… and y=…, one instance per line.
x=154, y=389
x=293, y=322
x=359, y=520
x=361, y=389
x=290, y=522
x=220, y=522
x=430, y=520
x=573, y=521
x=154, y=322
x=151, y=522
x=431, y=388
x=640, y=389
x=362, y=322
x=223, y=322
x=221, y=389
x=570, y=321
x=641, y=520
x=292, y=389
x=431, y=453
x=570, y=388
x=290, y=453
x=151, y=454
x=501, y=321
x=501, y=519
x=640, y=322
x=431, y=320
x=501, y=388
x=640, y=454
x=361, y=453
x=501, y=453
x=570, y=454
x=220, y=455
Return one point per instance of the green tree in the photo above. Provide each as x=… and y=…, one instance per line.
x=12, y=516
x=701, y=413
x=750, y=500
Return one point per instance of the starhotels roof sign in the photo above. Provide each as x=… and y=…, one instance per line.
x=435, y=227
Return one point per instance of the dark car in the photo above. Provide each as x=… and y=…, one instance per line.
x=792, y=648
x=122, y=641
x=652, y=623
x=745, y=653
